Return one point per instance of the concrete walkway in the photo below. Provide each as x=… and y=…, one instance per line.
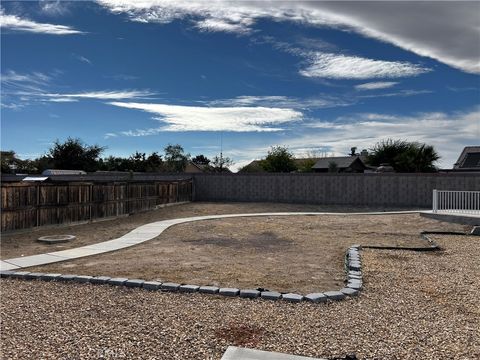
x=238, y=353
x=147, y=232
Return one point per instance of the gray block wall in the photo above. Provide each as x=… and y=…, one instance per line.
x=392, y=190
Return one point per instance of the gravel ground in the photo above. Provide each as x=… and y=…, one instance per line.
x=25, y=242
x=290, y=254
x=414, y=306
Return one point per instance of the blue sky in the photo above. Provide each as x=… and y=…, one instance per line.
x=318, y=77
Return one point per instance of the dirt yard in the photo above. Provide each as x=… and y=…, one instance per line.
x=24, y=243
x=295, y=253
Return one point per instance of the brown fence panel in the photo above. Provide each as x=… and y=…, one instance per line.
x=27, y=205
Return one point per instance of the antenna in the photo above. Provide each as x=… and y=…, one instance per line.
x=221, y=150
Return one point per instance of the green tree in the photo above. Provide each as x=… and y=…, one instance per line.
x=154, y=163
x=404, y=156
x=279, y=159
x=201, y=160
x=332, y=167
x=11, y=164
x=73, y=154
x=220, y=164
x=175, y=158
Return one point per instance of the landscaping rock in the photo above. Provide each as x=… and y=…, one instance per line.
x=475, y=231
x=316, y=297
x=271, y=295
x=189, y=288
x=68, y=277
x=82, y=278
x=117, y=281
x=19, y=274
x=34, y=276
x=249, y=293
x=133, y=283
x=100, y=279
x=208, y=289
x=350, y=291
x=355, y=286
x=151, y=285
x=335, y=295
x=50, y=277
x=355, y=265
x=354, y=272
x=169, y=286
x=292, y=297
x=6, y=273
x=228, y=291
x=354, y=277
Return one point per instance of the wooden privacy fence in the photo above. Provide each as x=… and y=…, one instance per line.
x=28, y=205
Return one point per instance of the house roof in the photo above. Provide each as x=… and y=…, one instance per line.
x=341, y=161
x=469, y=158
x=254, y=166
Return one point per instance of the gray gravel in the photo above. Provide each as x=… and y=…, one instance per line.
x=413, y=306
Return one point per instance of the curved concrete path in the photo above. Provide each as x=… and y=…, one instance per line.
x=144, y=233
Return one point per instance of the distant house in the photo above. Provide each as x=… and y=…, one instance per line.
x=469, y=159
x=200, y=168
x=255, y=167
x=194, y=167
x=50, y=172
x=345, y=164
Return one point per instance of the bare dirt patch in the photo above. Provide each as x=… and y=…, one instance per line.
x=24, y=243
x=282, y=253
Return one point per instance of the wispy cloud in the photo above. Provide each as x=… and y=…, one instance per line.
x=22, y=89
x=34, y=81
x=54, y=8
x=436, y=36
x=400, y=93
x=16, y=23
x=196, y=118
x=376, y=85
x=224, y=25
x=99, y=95
x=447, y=132
x=318, y=102
x=334, y=66
x=82, y=59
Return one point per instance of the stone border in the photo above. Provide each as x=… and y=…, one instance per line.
x=354, y=282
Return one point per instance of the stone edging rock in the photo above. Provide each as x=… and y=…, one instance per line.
x=352, y=288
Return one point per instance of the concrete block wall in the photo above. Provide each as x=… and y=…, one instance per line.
x=393, y=190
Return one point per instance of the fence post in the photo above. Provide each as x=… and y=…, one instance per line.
x=37, y=207
x=435, y=203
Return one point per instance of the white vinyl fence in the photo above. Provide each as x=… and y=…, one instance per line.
x=467, y=202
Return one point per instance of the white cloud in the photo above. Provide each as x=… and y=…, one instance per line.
x=17, y=23
x=448, y=132
x=196, y=118
x=324, y=101
x=376, y=85
x=100, y=95
x=54, y=8
x=83, y=59
x=333, y=66
x=221, y=25
x=447, y=31
x=62, y=99
x=12, y=80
